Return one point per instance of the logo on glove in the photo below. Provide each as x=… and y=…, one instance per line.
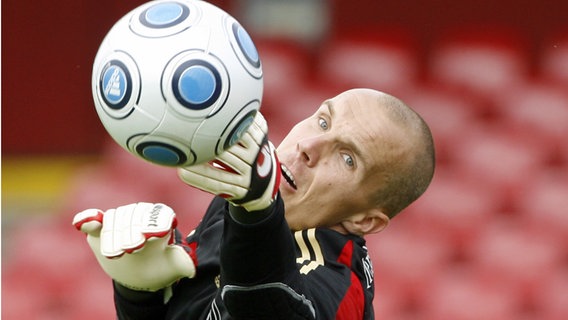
x=264, y=163
x=153, y=218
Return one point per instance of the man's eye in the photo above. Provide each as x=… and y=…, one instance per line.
x=348, y=160
x=323, y=123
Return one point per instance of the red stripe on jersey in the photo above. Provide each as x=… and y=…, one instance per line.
x=353, y=304
x=346, y=254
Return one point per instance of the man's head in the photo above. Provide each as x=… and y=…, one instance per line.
x=360, y=159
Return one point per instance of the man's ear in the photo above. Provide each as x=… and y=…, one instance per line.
x=372, y=221
x=376, y=221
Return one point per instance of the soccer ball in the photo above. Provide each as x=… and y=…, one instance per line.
x=176, y=82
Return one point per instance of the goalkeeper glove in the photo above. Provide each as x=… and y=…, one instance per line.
x=246, y=174
x=136, y=245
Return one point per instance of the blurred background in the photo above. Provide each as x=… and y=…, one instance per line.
x=488, y=240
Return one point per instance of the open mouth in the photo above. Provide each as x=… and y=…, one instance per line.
x=288, y=176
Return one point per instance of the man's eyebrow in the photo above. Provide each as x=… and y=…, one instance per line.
x=329, y=105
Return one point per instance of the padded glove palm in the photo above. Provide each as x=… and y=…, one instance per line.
x=136, y=245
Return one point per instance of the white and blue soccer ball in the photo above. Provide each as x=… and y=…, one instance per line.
x=176, y=82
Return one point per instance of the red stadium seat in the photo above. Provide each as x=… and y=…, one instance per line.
x=23, y=297
x=385, y=60
x=551, y=298
x=51, y=273
x=479, y=60
x=405, y=262
x=448, y=114
x=92, y=297
x=285, y=66
x=511, y=254
x=553, y=63
x=543, y=202
x=453, y=207
x=498, y=161
x=461, y=294
x=537, y=113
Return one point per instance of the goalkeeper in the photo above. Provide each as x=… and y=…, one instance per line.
x=284, y=238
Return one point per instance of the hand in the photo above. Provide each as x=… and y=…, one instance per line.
x=136, y=245
x=247, y=174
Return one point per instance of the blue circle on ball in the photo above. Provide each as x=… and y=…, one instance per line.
x=247, y=45
x=115, y=84
x=162, y=154
x=164, y=15
x=197, y=84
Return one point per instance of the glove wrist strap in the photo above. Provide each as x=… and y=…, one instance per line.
x=241, y=215
x=147, y=297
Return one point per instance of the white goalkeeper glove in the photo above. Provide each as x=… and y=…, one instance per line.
x=136, y=245
x=246, y=174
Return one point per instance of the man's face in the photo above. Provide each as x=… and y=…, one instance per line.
x=336, y=160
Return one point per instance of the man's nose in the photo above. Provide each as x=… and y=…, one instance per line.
x=312, y=149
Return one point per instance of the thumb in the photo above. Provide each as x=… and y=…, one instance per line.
x=89, y=221
x=180, y=260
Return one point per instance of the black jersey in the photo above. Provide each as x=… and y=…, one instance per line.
x=262, y=271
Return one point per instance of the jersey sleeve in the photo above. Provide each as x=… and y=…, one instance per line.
x=258, y=268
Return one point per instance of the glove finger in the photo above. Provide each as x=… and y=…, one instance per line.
x=89, y=221
x=254, y=135
x=214, y=185
x=143, y=221
x=240, y=160
x=110, y=238
x=259, y=129
x=122, y=230
x=128, y=226
x=260, y=123
x=249, y=145
x=246, y=150
x=205, y=174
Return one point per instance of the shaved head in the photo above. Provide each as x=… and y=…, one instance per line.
x=410, y=172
